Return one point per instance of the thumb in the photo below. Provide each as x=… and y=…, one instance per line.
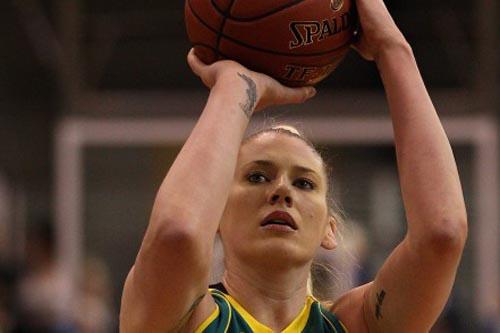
x=289, y=95
x=194, y=62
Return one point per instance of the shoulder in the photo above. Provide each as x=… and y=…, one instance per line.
x=329, y=320
x=350, y=309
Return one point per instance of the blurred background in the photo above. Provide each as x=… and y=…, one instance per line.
x=96, y=100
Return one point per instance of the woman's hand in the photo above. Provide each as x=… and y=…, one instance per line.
x=268, y=91
x=378, y=30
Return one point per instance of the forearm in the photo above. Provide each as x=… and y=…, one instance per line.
x=429, y=178
x=192, y=198
x=196, y=187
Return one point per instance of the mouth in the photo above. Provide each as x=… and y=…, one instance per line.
x=279, y=220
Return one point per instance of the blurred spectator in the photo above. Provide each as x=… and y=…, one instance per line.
x=95, y=313
x=42, y=287
x=42, y=290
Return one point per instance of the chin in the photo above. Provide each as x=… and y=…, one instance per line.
x=279, y=252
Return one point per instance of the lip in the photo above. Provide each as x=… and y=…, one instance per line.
x=280, y=215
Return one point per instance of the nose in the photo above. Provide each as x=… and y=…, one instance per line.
x=281, y=194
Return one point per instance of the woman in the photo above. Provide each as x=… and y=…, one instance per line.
x=273, y=215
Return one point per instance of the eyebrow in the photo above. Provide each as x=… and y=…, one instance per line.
x=267, y=163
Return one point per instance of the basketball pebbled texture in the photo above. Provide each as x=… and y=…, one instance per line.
x=298, y=42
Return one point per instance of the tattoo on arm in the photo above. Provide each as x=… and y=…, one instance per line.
x=249, y=105
x=378, y=307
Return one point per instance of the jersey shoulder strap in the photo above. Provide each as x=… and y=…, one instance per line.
x=225, y=319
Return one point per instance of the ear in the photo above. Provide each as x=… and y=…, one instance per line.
x=330, y=241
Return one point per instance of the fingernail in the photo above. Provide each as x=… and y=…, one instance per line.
x=311, y=92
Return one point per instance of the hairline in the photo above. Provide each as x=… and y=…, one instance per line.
x=281, y=130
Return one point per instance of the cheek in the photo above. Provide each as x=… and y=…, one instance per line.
x=247, y=196
x=315, y=211
x=238, y=204
x=229, y=210
x=238, y=198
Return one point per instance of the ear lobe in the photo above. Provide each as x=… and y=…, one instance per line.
x=330, y=241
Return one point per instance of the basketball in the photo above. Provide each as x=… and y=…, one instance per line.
x=298, y=42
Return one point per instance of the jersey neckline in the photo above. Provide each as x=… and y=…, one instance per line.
x=297, y=325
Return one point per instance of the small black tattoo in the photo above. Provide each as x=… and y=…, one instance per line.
x=378, y=307
x=248, y=107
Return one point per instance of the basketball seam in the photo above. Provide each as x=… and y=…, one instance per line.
x=210, y=47
x=257, y=17
x=223, y=55
x=222, y=35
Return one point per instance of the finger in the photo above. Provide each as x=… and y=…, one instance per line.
x=194, y=62
x=295, y=95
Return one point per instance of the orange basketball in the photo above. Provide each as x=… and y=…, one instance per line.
x=298, y=42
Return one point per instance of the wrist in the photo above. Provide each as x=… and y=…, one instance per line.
x=237, y=89
x=228, y=77
x=392, y=50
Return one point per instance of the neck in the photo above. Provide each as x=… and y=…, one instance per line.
x=273, y=297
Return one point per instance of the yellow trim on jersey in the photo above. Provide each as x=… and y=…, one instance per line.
x=230, y=313
x=343, y=326
x=297, y=325
x=330, y=323
x=209, y=320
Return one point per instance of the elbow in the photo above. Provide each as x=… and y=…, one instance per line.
x=182, y=243
x=176, y=231
x=173, y=221
x=185, y=246
x=181, y=237
x=447, y=237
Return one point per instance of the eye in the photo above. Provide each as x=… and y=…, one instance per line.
x=256, y=177
x=305, y=184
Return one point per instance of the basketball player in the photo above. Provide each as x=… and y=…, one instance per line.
x=267, y=198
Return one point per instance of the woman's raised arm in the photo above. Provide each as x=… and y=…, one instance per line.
x=170, y=275
x=412, y=287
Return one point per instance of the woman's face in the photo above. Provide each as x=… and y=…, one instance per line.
x=277, y=173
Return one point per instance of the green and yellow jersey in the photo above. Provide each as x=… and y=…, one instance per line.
x=231, y=317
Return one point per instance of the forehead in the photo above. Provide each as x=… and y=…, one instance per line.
x=282, y=149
